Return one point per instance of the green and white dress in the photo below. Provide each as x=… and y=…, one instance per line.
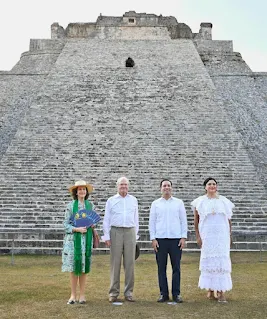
x=68, y=263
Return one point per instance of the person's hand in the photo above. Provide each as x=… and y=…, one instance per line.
x=82, y=230
x=108, y=243
x=181, y=243
x=155, y=245
x=199, y=241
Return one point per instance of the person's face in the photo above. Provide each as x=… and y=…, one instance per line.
x=123, y=187
x=81, y=192
x=211, y=186
x=166, y=188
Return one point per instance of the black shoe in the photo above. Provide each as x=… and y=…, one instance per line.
x=163, y=298
x=177, y=299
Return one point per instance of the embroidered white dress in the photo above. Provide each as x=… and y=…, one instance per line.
x=215, y=263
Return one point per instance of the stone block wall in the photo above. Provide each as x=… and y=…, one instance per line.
x=16, y=95
x=241, y=96
x=80, y=30
x=213, y=46
x=40, y=58
x=261, y=83
x=144, y=22
x=19, y=86
x=132, y=33
x=225, y=63
x=46, y=45
x=70, y=109
x=96, y=119
x=205, y=31
x=35, y=62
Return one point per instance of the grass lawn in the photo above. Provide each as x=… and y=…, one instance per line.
x=34, y=287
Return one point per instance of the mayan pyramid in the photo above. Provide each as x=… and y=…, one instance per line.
x=71, y=109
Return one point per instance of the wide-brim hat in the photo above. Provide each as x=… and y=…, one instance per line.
x=89, y=187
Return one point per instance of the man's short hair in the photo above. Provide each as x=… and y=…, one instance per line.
x=121, y=179
x=165, y=180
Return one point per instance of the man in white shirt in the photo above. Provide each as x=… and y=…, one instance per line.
x=120, y=227
x=168, y=232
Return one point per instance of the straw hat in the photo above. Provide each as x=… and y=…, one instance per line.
x=82, y=183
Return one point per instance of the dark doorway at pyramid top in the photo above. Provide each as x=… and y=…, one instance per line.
x=129, y=63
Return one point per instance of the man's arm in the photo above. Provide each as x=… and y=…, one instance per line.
x=106, y=224
x=152, y=227
x=183, y=220
x=136, y=220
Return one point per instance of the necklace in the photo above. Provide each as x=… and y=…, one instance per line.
x=212, y=204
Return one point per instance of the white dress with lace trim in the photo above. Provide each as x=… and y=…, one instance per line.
x=215, y=262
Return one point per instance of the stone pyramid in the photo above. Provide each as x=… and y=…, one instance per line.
x=70, y=109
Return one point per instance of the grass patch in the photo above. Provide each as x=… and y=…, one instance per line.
x=34, y=287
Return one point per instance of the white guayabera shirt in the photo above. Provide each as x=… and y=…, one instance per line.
x=120, y=212
x=167, y=219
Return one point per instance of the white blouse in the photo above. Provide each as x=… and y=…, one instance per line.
x=206, y=206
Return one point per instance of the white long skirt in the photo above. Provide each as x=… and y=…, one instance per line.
x=215, y=263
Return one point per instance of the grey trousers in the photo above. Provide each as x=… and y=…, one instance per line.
x=123, y=242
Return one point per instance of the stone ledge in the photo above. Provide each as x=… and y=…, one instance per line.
x=144, y=244
x=24, y=74
x=40, y=52
x=58, y=250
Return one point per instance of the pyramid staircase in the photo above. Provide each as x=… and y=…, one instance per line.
x=97, y=120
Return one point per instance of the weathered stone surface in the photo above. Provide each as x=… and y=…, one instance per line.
x=131, y=25
x=212, y=47
x=261, y=83
x=186, y=110
x=242, y=96
x=204, y=31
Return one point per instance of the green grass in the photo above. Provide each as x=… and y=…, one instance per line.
x=34, y=287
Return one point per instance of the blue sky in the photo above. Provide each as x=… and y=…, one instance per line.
x=243, y=21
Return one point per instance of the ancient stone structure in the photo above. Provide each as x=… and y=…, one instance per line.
x=189, y=108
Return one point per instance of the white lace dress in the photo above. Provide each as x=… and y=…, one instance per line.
x=215, y=263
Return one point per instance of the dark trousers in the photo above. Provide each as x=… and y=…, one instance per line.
x=169, y=246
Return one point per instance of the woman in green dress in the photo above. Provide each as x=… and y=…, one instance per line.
x=78, y=241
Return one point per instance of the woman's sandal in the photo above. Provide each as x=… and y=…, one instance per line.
x=222, y=298
x=71, y=302
x=212, y=294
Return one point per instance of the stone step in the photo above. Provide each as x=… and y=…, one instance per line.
x=55, y=247
x=142, y=226
x=11, y=206
x=176, y=127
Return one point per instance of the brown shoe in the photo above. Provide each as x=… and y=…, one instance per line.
x=129, y=298
x=112, y=299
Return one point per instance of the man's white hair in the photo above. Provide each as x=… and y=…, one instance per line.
x=122, y=179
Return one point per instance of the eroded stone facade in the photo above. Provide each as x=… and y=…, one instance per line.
x=190, y=107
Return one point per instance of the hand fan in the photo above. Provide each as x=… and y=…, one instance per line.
x=85, y=218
